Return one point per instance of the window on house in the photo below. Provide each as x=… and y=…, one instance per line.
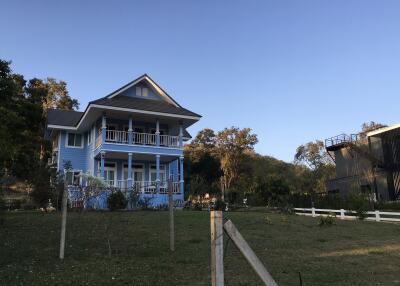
x=142, y=91
x=73, y=178
x=74, y=140
x=89, y=137
x=153, y=173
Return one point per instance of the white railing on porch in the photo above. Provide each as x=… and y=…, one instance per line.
x=122, y=137
x=348, y=214
x=170, y=141
x=144, y=138
x=116, y=136
x=145, y=187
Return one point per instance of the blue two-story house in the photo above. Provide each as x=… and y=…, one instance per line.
x=132, y=137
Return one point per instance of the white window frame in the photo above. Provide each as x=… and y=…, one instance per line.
x=133, y=170
x=115, y=169
x=142, y=91
x=74, y=171
x=89, y=137
x=77, y=147
x=162, y=171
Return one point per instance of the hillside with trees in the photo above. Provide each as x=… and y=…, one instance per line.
x=23, y=112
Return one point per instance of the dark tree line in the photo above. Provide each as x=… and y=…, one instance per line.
x=226, y=161
x=23, y=111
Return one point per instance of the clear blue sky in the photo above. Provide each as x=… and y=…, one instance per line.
x=293, y=71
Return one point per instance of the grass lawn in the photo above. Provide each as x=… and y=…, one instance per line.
x=348, y=253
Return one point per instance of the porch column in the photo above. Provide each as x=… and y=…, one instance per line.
x=181, y=181
x=129, y=179
x=102, y=157
x=180, y=134
x=158, y=173
x=158, y=132
x=130, y=131
x=103, y=128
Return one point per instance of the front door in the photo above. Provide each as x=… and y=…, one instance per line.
x=110, y=174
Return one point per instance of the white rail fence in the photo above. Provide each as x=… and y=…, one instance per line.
x=348, y=214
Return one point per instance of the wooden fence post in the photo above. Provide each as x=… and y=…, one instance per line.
x=217, y=249
x=248, y=253
x=341, y=213
x=377, y=216
x=171, y=217
x=64, y=216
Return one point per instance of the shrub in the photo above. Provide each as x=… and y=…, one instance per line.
x=144, y=203
x=358, y=203
x=218, y=205
x=328, y=220
x=2, y=203
x=116, y=201
x=134, y=197
x=387, y=206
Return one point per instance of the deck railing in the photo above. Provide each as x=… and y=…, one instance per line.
x=340, y=139
x=144, y=138
x=122, y=137
x=144, y=187
x=116, y=136
x=170, y=141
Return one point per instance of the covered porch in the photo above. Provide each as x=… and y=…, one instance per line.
x=147, y=173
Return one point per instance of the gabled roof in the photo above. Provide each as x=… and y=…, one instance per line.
x=70, y=118
x=116, y=101
x=63, y=117
x=143, y=104
x=149, y=80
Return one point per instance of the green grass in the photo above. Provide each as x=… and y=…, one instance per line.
x=348, y=253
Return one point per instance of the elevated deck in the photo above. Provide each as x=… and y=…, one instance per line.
x=340, y=141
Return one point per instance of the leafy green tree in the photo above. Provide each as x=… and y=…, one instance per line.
x=314, y=156
x=23, y=148
x=57, y=95
x=231, y=145
x=370, y=126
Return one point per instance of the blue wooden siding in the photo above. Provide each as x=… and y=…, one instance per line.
x=77, y=156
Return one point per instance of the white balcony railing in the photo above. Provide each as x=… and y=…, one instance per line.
x=170, y=141
x=122, y=137
x=144, y=187
x=116, y=136
x=144, y=138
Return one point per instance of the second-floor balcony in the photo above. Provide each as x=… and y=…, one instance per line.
x=148, y=139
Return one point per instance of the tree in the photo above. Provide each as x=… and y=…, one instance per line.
x=370, y=126
x=316, y=158
x=57, y=95
x=205, y=139
x=312, y=154
x=23, y=148
x=231, y=145
x=202, y=167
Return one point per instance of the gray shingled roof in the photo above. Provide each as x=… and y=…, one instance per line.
x=143, y=104
x=63, y=117
x=71, y=118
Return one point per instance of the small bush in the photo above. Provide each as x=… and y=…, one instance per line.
x=2, y=203
x=218, y=205
x=387, y=206
x=116, y=201
x=359, y=204
x=328, y=220
x=144, y=203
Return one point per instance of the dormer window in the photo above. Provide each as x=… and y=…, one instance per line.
x=142, y=91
